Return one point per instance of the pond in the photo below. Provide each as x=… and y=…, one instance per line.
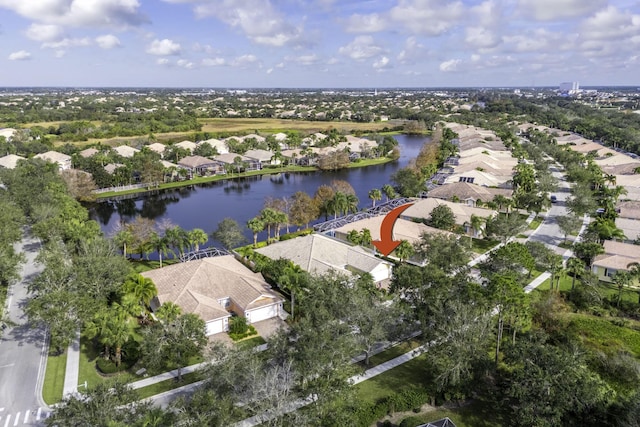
x=205, y=205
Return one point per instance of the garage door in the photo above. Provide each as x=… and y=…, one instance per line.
x=216, y=326
x=263, y=313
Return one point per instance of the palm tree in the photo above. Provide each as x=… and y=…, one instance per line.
x=374, y=195
x=634, y=270
x=389, y=192
x=197, y=237
x=622, y=279
x=338, y=204
x=269, y=217
x=280, y=218
x=142, y=288
x=354, y=237
x=117, y=333
x=476, y=224
x=575, y=267
x=293, y=279
x=501, y=201
x=256, y=225
x=365, y=237
x=404, y=250
x=124, y=238
x=168, y=312
x=160, y=244
x=177, y=238
x=352, y=203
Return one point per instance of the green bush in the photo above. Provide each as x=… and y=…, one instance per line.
x=405, y=401
x=108, y=366
x=238, y=325
x=238, y=336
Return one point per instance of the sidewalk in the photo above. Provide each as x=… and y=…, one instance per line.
x=72, y=370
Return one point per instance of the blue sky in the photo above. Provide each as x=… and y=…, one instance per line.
x=319, y=43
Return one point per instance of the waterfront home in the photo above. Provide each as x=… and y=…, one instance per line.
x=469, y=194
x=215, y=289
x=319, y=254
x=263, y=157
x=403, y=229
x=422, y=209
x=62, y=160
x=245, y=162
x=198, y=165
x=480, y=178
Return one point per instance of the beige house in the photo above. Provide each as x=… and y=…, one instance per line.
x=319, y=254
x=470, y=194
x=187, y=145
x=219, y=145
x=480, y=178
x=157, y=147
x=630, y=228
x=214, y=288
x=201, y=165
x=422, y=208
x=89, y=152
x=402, y=229
x=62, y=160
x=10, y=161
x=125, y=151
x=617, y=256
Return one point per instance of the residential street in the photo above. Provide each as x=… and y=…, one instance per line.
x=22, y=353
x=549, y=232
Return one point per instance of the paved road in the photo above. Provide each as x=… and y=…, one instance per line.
x=549, y=232
x=22, y=353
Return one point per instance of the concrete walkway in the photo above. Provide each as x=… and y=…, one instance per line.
x=72, y=370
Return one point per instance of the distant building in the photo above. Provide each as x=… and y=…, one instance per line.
x=569, y=88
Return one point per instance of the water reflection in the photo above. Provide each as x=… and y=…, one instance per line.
x=204, y=205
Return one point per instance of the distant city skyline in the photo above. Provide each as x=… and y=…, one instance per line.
x=319, y=43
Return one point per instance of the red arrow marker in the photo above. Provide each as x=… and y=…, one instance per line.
x=386, y=244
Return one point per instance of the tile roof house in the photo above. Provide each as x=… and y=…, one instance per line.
x=422, y=208
x=157, y=147
x=480, y=178
x=219, y=145
x=187, y=145
x=630, y=228
x=617, y=256
x=89, y=152
x=402, y=229
x=214, y=288
x=10, y=161
x=201, y=165
x=629, y=209
x=63, y=160
x=470, y=194
x=229, y=159
x=125, y=151
x=262, y=156
x=319, y=254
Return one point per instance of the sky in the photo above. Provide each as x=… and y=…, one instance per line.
x=319, y=43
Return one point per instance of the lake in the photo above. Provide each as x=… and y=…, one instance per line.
x=205, y=205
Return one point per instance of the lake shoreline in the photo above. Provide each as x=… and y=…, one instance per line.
x=207, y=179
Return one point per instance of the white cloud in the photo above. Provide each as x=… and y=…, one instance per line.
x=413, y=51
x=611, y=24
x=67, y=43
x=164, y=47
x=214, y=62
x=303, y=59
x=450, y=66
x=162, y=61
x=44, y=32
x=108, y=41
x=550, y=10
x=429, y=17
x=362, y=47
x=79, y=13
x=20, y=55
x=257, y=19
x=481, y=38
x=382, y=63
x=366, y=23
x=185, y=64
x=245, y=61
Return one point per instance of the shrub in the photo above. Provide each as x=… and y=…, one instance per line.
x=108, y=366
x=238, y=325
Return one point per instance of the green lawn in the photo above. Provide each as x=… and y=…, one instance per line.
x=88, y=371
x=607, y=290
x=53, y=384
x=391, y=353
x=250, y=342
x=604, y=334
x=480, y=246
x=413, y=375
x=535, y=223
x=167, y=385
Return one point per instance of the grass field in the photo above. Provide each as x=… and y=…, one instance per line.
x=224, y=126
x=607, y=290
x=53, y=384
